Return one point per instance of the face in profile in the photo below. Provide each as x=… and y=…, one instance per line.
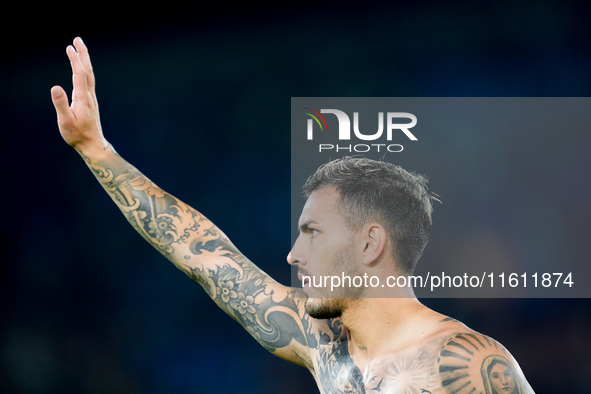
x=324, y=247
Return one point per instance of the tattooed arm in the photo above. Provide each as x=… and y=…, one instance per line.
x=273, y=314
x=472, y=362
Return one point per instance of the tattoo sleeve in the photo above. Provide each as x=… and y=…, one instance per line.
x=476, y=363
x=161, y=219
x=273, y=314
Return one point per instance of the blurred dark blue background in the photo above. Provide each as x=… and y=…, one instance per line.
x=198, y=99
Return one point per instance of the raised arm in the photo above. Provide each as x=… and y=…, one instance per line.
x=272, y=313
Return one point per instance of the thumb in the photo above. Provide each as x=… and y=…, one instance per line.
x=60, y=102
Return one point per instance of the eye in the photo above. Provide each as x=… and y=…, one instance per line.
x=305, y=228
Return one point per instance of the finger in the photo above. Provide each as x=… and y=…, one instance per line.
x=80, y=92
x=60, y=102
x=85, y=60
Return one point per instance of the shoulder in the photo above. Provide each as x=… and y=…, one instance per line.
x=470, y=360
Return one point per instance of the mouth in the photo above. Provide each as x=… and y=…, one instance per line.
x=305, y=279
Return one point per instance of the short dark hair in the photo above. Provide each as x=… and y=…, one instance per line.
x=372, y=190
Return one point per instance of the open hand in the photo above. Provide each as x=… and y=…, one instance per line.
x=79, y=123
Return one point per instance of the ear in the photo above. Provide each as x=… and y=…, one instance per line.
x=374, y=243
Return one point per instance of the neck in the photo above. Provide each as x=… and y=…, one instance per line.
x=380, y=326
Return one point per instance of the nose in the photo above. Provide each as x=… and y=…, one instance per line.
x=294, y=258
x=291, y=260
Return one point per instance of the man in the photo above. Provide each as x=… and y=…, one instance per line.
x=362, y=218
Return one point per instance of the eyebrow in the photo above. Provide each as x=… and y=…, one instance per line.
x=305, y=227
